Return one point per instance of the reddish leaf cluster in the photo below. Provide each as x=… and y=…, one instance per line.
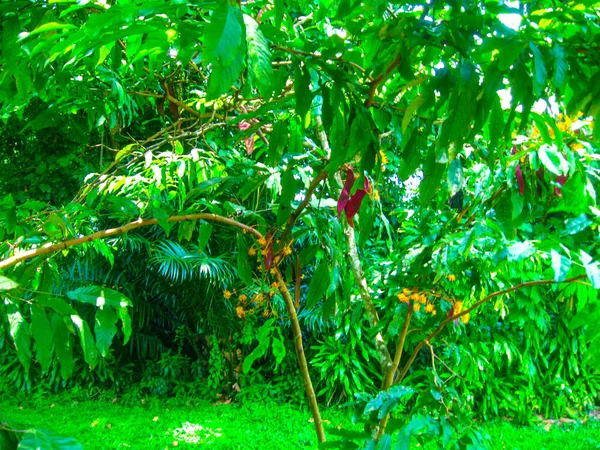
x=351, y=204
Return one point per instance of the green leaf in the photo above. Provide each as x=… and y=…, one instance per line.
x=46, y=440
x=63, y=345
x=90, y=352
x=539, y=70
x=432, y=178
x=411, y=156
x=42, y=336
x=318, y=284
x=6, y=284
x=385, y=443
x=303, y=93
x=553, y=160
x=57, y=304
x=560, y=265
x=278, y=348
x=126, y=323
x=520, y=250
x=99, y=296
x=542, y=127
x=105, y=328
x=19, y=331
x=259, y=56
x=258, y=352
x=576, y=224
x=560, y=67
x=224, y=48
x=243, y=264
x=204, y=233
x=288, y=192
x=52, y=26
x=412, y=107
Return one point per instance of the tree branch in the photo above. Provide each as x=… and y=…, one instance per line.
x=51, y=248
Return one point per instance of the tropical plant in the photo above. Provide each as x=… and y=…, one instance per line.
x=402, y=165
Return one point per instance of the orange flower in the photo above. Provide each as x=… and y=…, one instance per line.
x=227, y=294
x=451, y=277
x=251, y=251
x=417, y=306
x=429, y=308
x=402, y=297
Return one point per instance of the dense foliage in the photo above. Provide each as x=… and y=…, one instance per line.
x=194, y=190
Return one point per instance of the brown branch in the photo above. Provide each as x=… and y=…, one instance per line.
x=389, y=375
x=296, y=331
x=374, y=84
x=296, y=213
x=382, y=350
x=51, y=248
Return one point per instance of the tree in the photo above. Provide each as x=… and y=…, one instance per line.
x=275, y=118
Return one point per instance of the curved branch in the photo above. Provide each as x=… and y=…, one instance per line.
x=51, y=248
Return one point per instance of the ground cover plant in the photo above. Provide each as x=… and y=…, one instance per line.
x=156, y=424
x=389, y=206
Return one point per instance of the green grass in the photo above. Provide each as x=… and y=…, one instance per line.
x=153, y=424
x=576, y=436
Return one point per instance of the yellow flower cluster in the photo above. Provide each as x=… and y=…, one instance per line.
x=418, y=298
x=451, y=277
x=252, y=251
x=262, y=242
x=227, y=294
x=287, y=251
x=458, y=307
x=240, y=312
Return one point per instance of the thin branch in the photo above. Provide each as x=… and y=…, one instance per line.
x=296, y=331
x=51, y=248
x=374, y=84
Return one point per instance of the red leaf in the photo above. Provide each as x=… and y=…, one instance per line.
x=354, y=204
x=269, y=257
x=519, y=175
x=561, y=179
x=249, y=141
x=345, y=195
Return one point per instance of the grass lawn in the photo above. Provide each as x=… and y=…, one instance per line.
x=154, y=424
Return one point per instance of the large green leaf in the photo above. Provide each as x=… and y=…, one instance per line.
x=105, y=328
x=224, y=48
x=243, y=263
x=539, y=70
x=6, y=284
x=318, y=284
x=560, y=265
x=259, y=58
x=42, y=336
x=19, y=330
x=90, y=352
x=99, y=296
x=63, y=345
x=46, y=440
